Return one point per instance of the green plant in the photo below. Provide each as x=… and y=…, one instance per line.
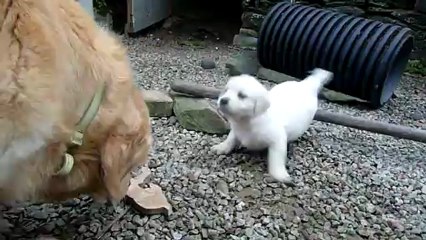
x=101, y=7
x=416, y=67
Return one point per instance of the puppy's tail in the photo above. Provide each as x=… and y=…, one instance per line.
x=317, y=79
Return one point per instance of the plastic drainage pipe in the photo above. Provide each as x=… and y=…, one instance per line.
x=367, y=57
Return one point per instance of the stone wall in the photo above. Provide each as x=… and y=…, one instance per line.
x=403, y=12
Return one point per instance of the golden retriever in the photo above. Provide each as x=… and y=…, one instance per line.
x=53, y=58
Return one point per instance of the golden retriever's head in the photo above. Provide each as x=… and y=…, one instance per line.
x=125, y=148
x=103, y=167
x=104, y=176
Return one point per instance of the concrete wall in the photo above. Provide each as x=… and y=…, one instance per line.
x=88, y=5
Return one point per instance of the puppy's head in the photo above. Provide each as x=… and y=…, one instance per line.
x=243, y=97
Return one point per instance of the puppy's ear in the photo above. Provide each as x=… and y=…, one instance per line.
x=261, y=104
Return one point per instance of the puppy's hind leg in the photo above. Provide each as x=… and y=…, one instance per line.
x=277, y=158
x=226, y=146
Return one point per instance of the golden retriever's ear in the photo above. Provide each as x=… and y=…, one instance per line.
x=115, y=167
x=127, y=148
x=119, y=157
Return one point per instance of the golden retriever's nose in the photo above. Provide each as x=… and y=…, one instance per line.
x=224, y=101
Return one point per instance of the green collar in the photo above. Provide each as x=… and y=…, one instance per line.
x=81, y=127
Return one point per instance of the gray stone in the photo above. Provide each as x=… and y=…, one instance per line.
x=194, y=175
x=245, y=42
x=262, y=6
x=130, y=226
x=187, y=238
x=414, y=19
x=350, y=10
x=139, y=221
x=159, y=103
x=60, y=222
x=395, y=224
x=249, y=232
x=252, y=20
x=140, y=231
x=370, y=208
x=204, y=233
x=199, y=115
x=244, y=63
x=248, y=32
x=49, y=227
x=177, y=235
x=71, y=202
x=148, y=236
x=208, y=64
x=40, y=215
x=363, y=232
x=115, y=227
x=249, y=193
x=222, y=187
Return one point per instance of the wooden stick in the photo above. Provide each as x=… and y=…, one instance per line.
x=394, y=130
x=372, y=126
x=194, y=89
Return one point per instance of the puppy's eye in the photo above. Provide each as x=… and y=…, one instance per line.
x=241, y=95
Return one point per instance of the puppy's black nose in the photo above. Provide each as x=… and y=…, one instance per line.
x=224, y=101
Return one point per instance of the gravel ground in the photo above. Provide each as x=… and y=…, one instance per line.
x=350, y=184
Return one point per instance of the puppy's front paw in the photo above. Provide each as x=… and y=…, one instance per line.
x=221, y=148
x=281, y=175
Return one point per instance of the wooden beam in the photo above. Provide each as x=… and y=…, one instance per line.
x=419, y=135
x=196, y=90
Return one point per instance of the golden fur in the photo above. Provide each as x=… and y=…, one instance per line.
x=53, y=56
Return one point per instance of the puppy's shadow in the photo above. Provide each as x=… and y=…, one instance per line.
x=260, y=157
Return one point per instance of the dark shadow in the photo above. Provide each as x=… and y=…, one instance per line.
x=217, y=20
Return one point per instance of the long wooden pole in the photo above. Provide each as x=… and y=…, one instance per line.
x=394, y=130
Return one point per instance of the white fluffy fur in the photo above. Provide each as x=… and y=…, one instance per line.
x=21, y=148
x=262, y=119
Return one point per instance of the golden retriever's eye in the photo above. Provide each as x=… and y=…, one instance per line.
x=241, y=95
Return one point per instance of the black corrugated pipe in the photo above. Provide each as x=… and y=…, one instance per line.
x=367, y=57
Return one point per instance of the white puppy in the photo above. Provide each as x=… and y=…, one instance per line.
x=261, y=119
